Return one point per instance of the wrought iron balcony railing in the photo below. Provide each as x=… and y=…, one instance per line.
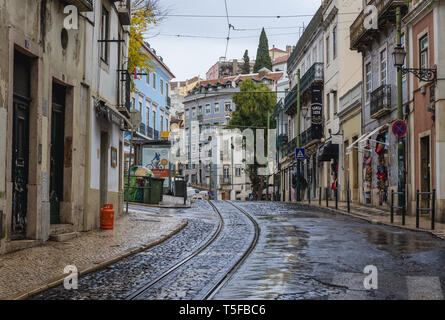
x=150, y=132
x=142, y=128
x=361, y=34
x=310, y=135
x=381, y=101
x=225, y=180
x=313, y=75
x=281, y=140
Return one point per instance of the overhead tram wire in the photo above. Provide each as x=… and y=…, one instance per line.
x=251, y=16
x=229, y=26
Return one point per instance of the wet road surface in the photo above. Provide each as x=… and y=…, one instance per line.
x=304, y=254
x=301, y=254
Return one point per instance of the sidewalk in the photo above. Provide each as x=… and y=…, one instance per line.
x=381, y=216
x=32, y=270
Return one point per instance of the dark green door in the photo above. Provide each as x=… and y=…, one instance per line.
x=57, y=151
x=20, y=145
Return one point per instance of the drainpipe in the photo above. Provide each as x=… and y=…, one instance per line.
x=298, y=133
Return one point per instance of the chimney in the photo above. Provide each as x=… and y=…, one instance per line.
x=235, y=66
x=289, y=49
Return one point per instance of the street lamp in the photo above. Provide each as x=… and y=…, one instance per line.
x=427, y=75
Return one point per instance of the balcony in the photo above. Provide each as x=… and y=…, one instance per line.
x=281, y=140
x=313, y=134
x=291, y=146
x=313, y=75
x=82, y=5
x=142, y=129
x=361, y=36
x=150, y=132
x=224, y=180
x=381, y=101
x=124, y=12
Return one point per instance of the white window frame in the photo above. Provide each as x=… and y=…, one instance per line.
x=208, y=109
x=216, y=107
x=368, y=97
x=384, y=48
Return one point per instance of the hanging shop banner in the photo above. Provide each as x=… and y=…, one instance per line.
x=316, y=104
x=157, y=159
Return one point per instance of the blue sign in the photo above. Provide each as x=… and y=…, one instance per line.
x=300, y=153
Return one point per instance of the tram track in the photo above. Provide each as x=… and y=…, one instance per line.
x=213, y=288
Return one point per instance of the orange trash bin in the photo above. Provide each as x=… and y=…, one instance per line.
x=107, y=216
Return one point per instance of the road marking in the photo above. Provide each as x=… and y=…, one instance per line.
x=424, y=288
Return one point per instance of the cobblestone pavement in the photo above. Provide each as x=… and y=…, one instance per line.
x=194, y=279
x=309, y=253
x=29, y=269
x=120, y=279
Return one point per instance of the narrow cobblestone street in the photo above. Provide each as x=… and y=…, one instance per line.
x=302, y=253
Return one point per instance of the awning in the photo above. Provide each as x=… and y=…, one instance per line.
x=328, y=151
x=105, y=111
x=362, y=140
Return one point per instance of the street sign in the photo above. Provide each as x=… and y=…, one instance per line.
x=135, y=118
x=300, y=153
x=165, y=134
x=399, y=128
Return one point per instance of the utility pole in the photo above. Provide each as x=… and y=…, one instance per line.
x=401, y=142
x=298, y=134
x=267, y=155
x=128, y=171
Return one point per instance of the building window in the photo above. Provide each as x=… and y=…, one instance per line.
x=140, y=106
x=154, y=120
x=216, y=107
x=320, y=48
x=199, y=110
x=162, y=122
x=166, y=89
x=193, y=112
x=147, y=78
x=154, y=81
x=208, y=109
x=383, y=60
x=238, y=171
x=327, y=50
x=104, y=34
x=334, y=42
x=187, y=113
x=423, y=52
x=148, y=113
x=162, y=87
x=314, y=54
x=334, y=96
x=133, y=103
x=368, y=82
x=328, y=106
x=228, y=106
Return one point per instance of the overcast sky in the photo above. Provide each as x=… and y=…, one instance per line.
x=188, y=57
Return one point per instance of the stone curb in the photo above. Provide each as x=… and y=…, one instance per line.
x=59, y=280
x=374, y=221
x=161, y=205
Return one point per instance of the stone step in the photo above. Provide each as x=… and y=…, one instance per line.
x=56, y=229
x=64, y=236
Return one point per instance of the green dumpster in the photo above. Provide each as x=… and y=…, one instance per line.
x=155, y=190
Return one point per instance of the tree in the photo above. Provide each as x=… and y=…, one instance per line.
x=144, y=13
x=262, y=54
x=246, y=65
x=253, y=104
